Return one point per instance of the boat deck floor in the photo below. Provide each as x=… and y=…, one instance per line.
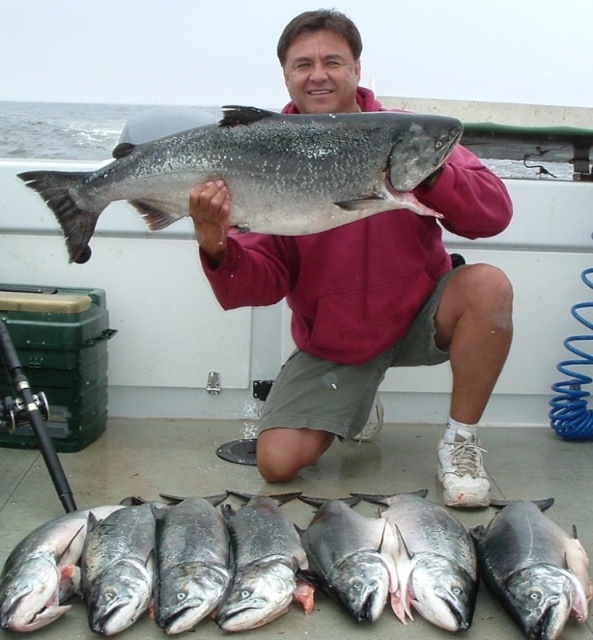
x=147, y=457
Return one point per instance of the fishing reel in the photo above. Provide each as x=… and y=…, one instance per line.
x=15, y=413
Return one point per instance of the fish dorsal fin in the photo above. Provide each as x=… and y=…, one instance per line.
x=217, y=499
x=122, y=150
x=80, y=530
x=542, y=505
x=312, y=501
x=278, y=498
x=91, y=523
x=234, y=115
x=386, y=499
x=402, y=542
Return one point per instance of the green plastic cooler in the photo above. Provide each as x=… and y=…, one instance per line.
x=60, y=335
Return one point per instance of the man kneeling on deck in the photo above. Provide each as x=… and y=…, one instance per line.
x=377, y=293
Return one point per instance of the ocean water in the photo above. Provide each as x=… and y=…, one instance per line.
x=70, y=131
x=65, y=131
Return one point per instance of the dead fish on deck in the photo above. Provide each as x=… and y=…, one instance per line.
x=41, y=572
x=534, y=569
x=193, y=563
x=435, y=560
x=117, y=568
x=266, y=554
x=288, y=174
x=350, y=554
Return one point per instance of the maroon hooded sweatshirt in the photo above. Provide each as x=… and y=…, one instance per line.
x=355, y=289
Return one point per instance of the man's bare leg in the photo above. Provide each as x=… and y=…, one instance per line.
x=474, y=321
x=282, y=452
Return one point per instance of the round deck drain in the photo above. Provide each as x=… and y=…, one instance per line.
x=238, y=451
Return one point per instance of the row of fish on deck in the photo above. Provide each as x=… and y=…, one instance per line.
x=244, y=567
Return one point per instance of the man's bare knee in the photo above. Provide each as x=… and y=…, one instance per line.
x=273, y=472
x=282, y=452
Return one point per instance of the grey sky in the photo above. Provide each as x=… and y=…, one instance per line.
x=213, y=53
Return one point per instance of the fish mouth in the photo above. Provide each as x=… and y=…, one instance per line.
x=101, y=623
x=546, y=624
x=368, y=609
x=179, y=621
x=370, y=605
x=463, y=624
x=31, y=604
x=119, y=616
x=459, y=621
x=248, y=617
x=12, y=619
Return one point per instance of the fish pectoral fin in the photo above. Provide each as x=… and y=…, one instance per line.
x=359, y=203
x=69, y=582
x=307, y=576
x=401, y=611
x=304, y=594
x=156, y=219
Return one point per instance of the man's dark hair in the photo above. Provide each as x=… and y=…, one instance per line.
x=327, y=19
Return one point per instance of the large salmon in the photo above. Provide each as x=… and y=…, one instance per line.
x=287, y=174
x=536, y=571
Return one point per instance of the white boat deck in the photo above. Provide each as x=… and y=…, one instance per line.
x=146, y=457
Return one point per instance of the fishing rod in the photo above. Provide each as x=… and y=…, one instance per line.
x=35, y=408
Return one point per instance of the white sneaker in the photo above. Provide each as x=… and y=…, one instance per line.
x=374, y=423
x=461, y=472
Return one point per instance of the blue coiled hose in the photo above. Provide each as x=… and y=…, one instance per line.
x=569, y=415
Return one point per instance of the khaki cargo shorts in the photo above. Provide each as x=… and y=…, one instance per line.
x=314, y=393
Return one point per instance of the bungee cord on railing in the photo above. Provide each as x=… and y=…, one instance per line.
x=570, y=416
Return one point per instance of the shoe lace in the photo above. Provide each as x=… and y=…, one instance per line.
x=467, y=458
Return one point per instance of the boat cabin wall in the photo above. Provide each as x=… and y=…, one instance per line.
x=172, y=334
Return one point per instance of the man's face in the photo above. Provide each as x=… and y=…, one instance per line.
x=321, y=74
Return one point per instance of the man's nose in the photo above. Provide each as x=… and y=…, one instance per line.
x=318, y=72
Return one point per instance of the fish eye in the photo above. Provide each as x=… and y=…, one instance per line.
x=109, y=594
x=456, y=591
x=245, y=593
x=181, y=596
x=535, y=596
x=439, y=144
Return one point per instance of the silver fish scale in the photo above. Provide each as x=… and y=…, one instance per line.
x=290, y=154
x=337, y=531
x=429, y=528
x=261, y=530
x=192, y=531
x=258, y=161
x=125, y=534
x=520, y=536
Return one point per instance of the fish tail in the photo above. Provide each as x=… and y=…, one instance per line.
x=57, y=188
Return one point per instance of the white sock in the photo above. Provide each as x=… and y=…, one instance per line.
x=453, y=426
